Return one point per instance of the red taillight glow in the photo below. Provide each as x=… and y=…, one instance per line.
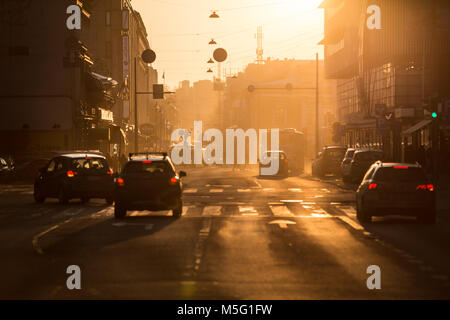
x=147, y=161
x=400, y=167
x=372, y=186
x=285, y=161
x=71, y=174
x=120, y=182
x=174, y=181
x=428, y=187
x=110, y=172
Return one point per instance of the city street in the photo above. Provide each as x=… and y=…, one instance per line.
x=240, y=237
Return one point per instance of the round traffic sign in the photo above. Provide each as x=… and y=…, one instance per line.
x=148, y=56
x=220, y=55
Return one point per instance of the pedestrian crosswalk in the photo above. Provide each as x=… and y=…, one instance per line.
x=284, y=208
x=228, y=189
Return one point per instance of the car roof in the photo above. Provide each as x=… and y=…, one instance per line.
x=368, y=150
x=81, y=155
x=335, y=147
x=149, y=158
x=397, y=164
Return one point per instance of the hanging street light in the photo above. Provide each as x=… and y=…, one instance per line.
x=212, y=42
x=209, y=70
x=210, y=61
x=214, y=15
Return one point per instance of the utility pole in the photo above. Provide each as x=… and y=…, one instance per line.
x=136, y=134
x=317, y=105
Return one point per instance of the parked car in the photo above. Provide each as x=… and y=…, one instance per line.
x=345, y=164
x=148, y=182
x=75, y=175
x=396, y=189
x=328, y=161
x=283, y=162
x=27, y=169
x=361, y=162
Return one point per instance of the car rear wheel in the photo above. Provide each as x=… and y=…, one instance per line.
x=178, y=210
x=62, y=196
x=38, y=194
x=363, y=213
x=119, y=211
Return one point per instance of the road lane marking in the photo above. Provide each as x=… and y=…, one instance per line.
x=268, y=189
x=248, y=211
x=295, y=190
x=244, y=190
x=280, y=211
x=200, y=246
x=35, y=241
x=350, y=222
x=190, y=191
x=350, y=211
x=215, y=190
x=283, y=224
x=212, y=211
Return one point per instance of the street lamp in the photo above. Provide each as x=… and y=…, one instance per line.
x=212, y=42
x=210, y=61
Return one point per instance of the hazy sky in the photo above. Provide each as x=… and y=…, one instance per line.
x=179, y=32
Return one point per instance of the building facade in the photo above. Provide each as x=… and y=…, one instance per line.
x=387, y=78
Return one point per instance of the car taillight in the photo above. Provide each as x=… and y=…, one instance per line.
x=71, y=174
x=174, y=181
x=110, y=172
x=147, y=161
x=400, y=167
x=373, y=186
x=428, y=187
x=285, y=160
x=120, y=182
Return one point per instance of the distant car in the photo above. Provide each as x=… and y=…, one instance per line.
x=148, y=182
x=328, y=161
x=345, y=164
x=75, y=175
x=283, y=162
x=396, y=189
x=361, y=162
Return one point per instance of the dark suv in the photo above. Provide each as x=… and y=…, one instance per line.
x=75, y=175
x=361, y=162
x=328, y=161
x=148, y=181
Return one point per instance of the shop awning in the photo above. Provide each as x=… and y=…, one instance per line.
x=416, y=127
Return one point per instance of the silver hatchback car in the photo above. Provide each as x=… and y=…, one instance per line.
x=396, y=189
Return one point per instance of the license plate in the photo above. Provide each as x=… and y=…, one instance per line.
x=91, y=179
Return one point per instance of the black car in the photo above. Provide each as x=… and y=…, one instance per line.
x=75, y=175
x=328, y=161
x=148, y=182
x=396, y=189
x=361, y=162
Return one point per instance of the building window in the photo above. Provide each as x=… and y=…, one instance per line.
x=108, y=18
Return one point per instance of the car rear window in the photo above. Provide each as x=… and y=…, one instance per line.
x=149, y=167
x=336, y=153
x=368, y=156
x=89, y=164
x=403, y=175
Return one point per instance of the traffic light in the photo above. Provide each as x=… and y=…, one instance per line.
x=434, y=115
x=158, y=91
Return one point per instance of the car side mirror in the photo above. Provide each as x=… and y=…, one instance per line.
x=182, y=174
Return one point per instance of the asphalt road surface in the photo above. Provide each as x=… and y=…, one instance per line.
x=240, y=237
